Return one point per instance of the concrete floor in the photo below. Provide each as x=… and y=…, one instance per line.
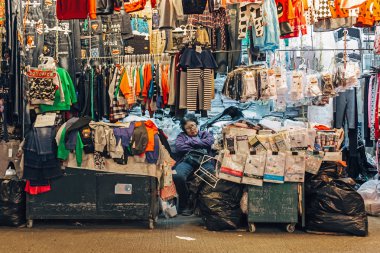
x=112, y=236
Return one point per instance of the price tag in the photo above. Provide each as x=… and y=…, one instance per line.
x=45, y=120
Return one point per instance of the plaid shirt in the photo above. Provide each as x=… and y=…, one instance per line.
x=214, y=20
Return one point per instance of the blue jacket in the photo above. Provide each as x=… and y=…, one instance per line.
x=185, y=143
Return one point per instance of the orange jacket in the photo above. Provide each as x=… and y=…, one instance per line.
x=124, y=85
x=152, y=130
x=165, y=84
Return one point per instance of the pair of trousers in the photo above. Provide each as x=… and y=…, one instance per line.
x=346, y=109
x=183, y=172
x=234, y=58
x=199, y=88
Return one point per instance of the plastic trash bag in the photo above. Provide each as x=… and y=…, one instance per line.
x=220, y=207
x=332, y=205
x=370, y=191
x=168, y=208
x=12, y=202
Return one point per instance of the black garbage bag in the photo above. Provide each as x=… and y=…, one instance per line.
x=220, y=207
x=333, y=205
x=12, y=202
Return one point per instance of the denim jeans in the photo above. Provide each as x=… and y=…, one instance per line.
x=34, y=15
x=44, y=137
x=183, y=172
x=234, y=58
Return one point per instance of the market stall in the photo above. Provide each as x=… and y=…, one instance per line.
x=100, y=90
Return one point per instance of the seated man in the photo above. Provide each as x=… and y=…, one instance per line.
x=190, y=139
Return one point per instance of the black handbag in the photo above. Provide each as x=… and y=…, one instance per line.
x=194, y=158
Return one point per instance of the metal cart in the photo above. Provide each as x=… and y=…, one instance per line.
x=88, y=194
x=276, y=203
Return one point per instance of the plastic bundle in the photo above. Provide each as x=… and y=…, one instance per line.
x=220, y=207
x=12, y=202
x=333, y=205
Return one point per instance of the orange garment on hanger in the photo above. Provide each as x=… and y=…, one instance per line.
x=127, y=89
x=135, y=5
x=298, y=23
x=369, y=13
x=152, y=130
x=337, y=11
x=147, y=79
x=138, y=83
x=125, y=85
x=92, y=9
x=165, y=84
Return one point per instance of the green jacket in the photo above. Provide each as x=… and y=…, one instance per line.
x=63, y=153
x=68, y=91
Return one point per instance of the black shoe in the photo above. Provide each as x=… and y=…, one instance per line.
x=187, y=212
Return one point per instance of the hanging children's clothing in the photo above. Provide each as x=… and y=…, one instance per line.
x=198, y=78
x=269, y=38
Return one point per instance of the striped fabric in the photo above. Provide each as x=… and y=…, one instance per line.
x=206, y=94
x=199, y=89
x=192, y=81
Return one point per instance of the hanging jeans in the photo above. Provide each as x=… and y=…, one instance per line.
x=346, y=109
x=234, y=58
x=34, y=37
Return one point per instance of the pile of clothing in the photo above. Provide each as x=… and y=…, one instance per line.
x=140, y=139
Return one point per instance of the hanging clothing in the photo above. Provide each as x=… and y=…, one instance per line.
x=170, y=11
x=76, y=9
x=69, y=94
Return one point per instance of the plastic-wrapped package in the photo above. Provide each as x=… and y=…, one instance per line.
x=232, y=166
x=168, y=208
x=370, y=191
x=242, y=144
x=256, y=144
x=281, y=89
x=296, y=87
x=281, y=141
x=295, y=167
x=272, y=84
x=275, y=167
x=312, y=89
x=298, y=139
x=254, y=169
x=313, y=161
